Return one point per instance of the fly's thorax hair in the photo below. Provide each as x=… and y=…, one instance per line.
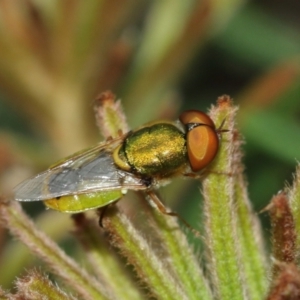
x=151, y=123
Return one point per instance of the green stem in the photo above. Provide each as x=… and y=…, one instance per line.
x=36, y=286
x=294, y=199
x=79, y=280
x=220, y=219
x=183, y=262
x=103, y=261
x=251, y=248
x=151, y=269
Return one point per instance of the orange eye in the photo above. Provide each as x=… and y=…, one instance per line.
x=196, y=116
x=202, y=140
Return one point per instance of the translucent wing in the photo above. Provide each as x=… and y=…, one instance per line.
x=91, y=171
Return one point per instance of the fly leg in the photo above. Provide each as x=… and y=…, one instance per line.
x=152, y=195
x=193, y=175
x=101, y=213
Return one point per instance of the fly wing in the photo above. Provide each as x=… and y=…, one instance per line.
x=92, y=171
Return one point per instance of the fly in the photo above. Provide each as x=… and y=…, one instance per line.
x=139, y=160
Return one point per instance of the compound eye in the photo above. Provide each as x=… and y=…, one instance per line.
x=202, y=146
x=196, y=116
x=202, y=140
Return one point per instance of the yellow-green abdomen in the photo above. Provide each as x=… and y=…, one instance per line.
x=81, y=202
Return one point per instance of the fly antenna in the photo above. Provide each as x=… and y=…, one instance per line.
x=220, y=128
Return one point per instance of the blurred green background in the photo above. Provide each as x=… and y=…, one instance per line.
x=160, y=58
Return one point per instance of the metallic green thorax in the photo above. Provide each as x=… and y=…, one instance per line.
x=156, y=150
